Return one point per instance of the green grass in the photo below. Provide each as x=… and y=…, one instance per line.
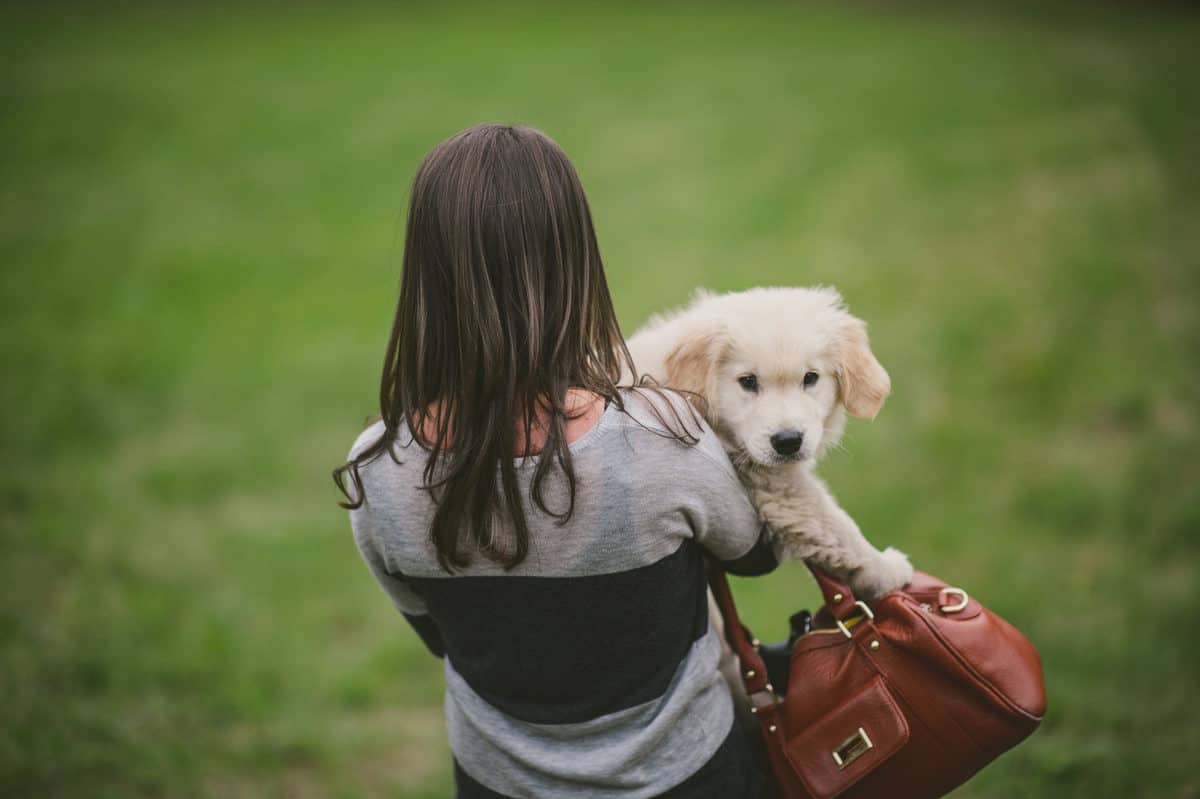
x=200, y=225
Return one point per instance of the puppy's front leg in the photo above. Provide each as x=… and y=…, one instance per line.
x=878, y=572
x=808, y=524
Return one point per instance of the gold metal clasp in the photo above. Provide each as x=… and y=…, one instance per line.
x=845, y=626
x=852, y=749
x=944, y=603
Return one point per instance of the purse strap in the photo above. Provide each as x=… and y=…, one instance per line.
x=753, y=669
x=838, y=598
x=837, y=594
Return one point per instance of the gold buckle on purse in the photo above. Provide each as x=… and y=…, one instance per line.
x=852, y=749
x=850, y=621
x=945, y=606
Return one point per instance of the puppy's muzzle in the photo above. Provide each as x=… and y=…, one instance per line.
x=787, y=442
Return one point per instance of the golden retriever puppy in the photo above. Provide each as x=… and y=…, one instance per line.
x=778, y=369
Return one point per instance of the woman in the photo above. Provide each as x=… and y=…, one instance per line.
x=542, y=529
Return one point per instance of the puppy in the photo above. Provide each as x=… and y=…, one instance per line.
x=777, y=370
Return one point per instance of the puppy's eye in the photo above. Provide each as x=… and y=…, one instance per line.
x=810, y=379
x=749, y=382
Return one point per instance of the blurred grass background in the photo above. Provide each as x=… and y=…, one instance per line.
x=201, y=221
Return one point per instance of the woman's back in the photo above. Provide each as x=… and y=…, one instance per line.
x=590, y=663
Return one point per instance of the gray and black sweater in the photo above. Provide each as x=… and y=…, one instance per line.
x=590, y=667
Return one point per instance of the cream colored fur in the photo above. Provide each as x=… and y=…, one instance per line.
x=779, y=335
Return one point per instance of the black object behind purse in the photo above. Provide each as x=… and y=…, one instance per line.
x=778, y=657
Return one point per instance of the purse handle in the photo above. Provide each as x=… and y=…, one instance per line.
x=838, y=598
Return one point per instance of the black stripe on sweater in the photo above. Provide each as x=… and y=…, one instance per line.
x=558, y=650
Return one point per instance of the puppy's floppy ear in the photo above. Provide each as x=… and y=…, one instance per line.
x=863, y=381
x=692, y=366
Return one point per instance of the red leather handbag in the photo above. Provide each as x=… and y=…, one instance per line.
x=906, y=697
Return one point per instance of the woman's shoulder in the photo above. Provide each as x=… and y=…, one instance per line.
x=373, y=432
x=674, y=422
x=660, y=409
x=370, y=434
x=389, y=464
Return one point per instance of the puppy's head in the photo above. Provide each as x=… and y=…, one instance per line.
x=779, y=368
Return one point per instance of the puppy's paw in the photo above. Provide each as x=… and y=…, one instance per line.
x=889, y=571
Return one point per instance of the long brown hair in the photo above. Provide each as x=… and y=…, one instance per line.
x=503, y=307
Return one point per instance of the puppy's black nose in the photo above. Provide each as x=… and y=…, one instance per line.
x=788, y=442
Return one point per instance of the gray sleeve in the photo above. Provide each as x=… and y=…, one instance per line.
x=725, y=522
x=368, y=540
x=401, y=594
